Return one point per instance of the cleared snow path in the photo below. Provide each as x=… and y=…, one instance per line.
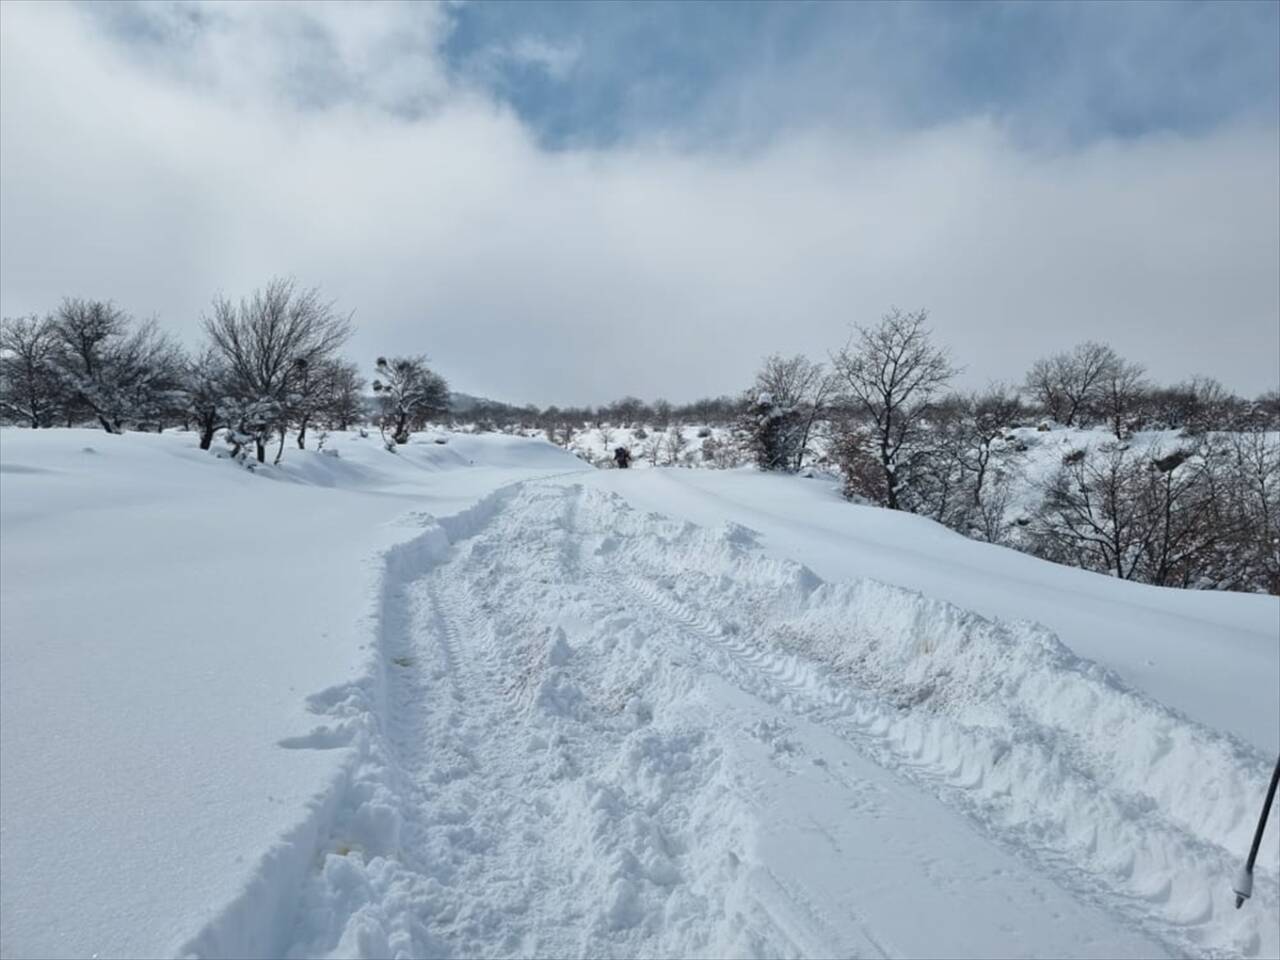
x=595, y=731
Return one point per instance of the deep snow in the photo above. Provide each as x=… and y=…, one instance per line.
x=164, y=616
x=1213, y=655
x=472, y=699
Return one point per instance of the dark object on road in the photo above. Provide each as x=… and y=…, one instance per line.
x=622, y=457
x=1244, y=880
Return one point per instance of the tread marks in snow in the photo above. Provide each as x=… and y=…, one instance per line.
x=552, y=782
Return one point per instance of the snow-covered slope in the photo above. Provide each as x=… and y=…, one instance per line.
x=474, y=700
x=1213, y=655
x=163, y=618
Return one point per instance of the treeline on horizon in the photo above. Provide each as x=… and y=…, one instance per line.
x=89, y=361
x=1200, y=511
x=269, y=365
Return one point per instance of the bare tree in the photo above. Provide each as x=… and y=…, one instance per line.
x=329, y=392
x=1067, y=385
x=674, y=444
x=410, y=393
x=1267, y=410
x=1208, y=405
x=1120, y=390
x=119, y=372
x=991, y=415
x=30, y=390
x=652, y=449
x=891, y=374
x=1250, y=463
x=1183, y=519
x=269, y=342
x=343, y=401
x=206, y=391
x=1093, y=515
x=156, y=394
x=627, y=410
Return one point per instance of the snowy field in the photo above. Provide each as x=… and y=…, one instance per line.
x=480, y=699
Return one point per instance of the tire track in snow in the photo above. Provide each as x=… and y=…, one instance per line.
x=538, y=816
x=528, y=800
x=1169, y=898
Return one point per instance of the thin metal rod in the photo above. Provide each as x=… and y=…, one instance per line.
x=1243, y=887
x=1262, y=820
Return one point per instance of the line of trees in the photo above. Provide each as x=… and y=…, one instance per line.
x=1204, y=513
x=269, y=367
x=560, y=424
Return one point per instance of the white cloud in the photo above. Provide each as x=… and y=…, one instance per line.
x=576, y=276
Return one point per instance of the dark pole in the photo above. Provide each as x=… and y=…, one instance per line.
x=1244, y=881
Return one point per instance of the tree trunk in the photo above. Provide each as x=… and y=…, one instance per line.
x=262, y=449
x=302, y=434
x=804, y=439
x=206, y=436
x=983, y=456
x=890, y=475
x=280, y=449
x=891, y=487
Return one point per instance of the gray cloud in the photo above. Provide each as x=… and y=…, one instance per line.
x=579, y=274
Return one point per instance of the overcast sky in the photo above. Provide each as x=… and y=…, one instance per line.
x=565, y=203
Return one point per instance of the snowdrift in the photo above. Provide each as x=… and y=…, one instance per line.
x=163, y=617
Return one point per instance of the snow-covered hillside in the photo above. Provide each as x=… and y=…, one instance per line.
x=478, y=699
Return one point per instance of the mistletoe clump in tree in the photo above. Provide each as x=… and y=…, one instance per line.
x=409, y=394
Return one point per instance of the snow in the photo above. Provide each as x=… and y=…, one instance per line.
x=650, y=446
x=164, y=617
x=475, y=698
x=1214, y=656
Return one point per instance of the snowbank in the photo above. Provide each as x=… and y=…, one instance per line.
x=1042, y=745
x=1211, y=655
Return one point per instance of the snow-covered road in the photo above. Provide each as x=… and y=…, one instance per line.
x=476, y=699
x=604, y=732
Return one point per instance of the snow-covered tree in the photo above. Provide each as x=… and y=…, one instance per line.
x=673, y=444
x=270, y=342
x=120, y=372
x=774, y=431
x=409, y=393
x=343, y=402
x=30, y=390
x=206, y=395
x=802, y=387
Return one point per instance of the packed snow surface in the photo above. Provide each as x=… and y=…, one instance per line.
x=471, y=699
